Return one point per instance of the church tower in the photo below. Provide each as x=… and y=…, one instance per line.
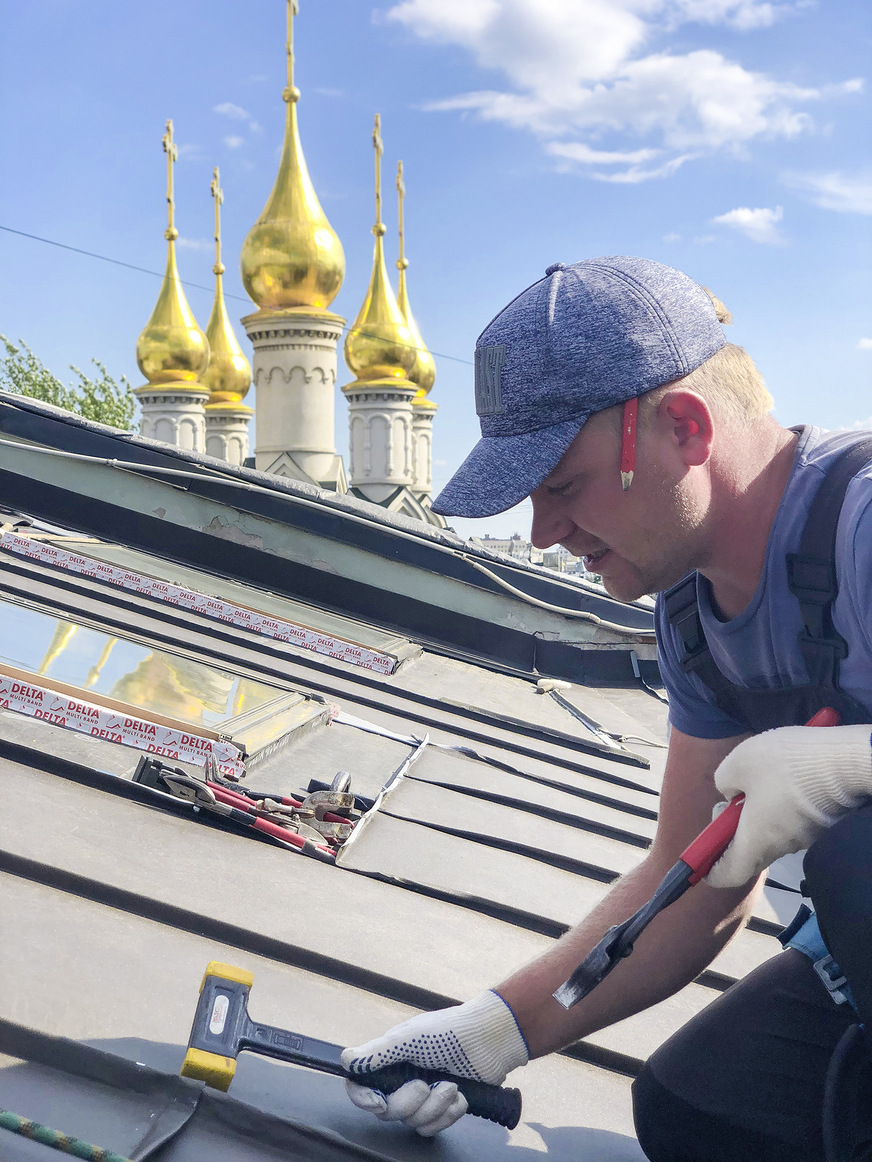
x=381, y=351
x=228, y=375
x=292, y=267
x=172, y=351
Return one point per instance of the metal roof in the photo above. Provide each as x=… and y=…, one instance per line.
x=507, y=814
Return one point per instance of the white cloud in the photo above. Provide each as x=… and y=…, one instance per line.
x=237, y=113
x=847, y=193
x=672, y=237
x=189, y=151
x=578, y=151
x=637, y=173
x=865, y=345
x=234, y=112
x=584, y=76
x=744, y=15
x=760, y=225
x=194, y=243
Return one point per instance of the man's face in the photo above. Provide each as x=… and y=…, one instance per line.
x=640, y=541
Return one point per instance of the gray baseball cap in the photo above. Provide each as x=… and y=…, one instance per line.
x=583, y=338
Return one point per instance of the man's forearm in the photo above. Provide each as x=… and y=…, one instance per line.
x=674, y=949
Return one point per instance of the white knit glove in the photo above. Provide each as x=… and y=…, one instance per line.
x=797, y=780
x=480, y=1040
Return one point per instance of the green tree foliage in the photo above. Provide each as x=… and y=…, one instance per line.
x=100, y=399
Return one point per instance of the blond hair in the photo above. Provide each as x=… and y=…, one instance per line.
x=729, y=381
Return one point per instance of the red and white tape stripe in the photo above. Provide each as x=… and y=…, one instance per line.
x=274, y=627
x=99, y=722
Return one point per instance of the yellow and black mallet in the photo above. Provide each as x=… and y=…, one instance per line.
x=222, y=1028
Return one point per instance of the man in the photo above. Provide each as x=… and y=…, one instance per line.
x=608, y=393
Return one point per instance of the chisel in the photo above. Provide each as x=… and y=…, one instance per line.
x=695, y=863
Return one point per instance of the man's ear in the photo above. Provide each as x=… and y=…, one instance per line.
x=686, y=419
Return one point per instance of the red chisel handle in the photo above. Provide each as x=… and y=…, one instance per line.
x=708, y=847
x=825, y=717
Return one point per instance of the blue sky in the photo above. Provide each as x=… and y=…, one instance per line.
x=729, y=138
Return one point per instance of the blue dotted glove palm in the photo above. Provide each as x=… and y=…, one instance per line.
x=479, y=1040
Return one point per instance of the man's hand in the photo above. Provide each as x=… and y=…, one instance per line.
x=479, y=1040
x=797, y=781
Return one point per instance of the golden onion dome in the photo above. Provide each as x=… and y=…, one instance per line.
x=172, y=349
x=423, y=372
x=228, y=376
x=380, y=345
x=292, y=257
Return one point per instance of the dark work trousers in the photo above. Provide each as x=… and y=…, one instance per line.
x=743, y=1081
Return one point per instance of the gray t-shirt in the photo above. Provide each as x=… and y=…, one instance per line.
x=759, y=648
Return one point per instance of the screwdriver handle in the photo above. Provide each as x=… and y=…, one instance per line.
x=496, y=1103
x=710, y=844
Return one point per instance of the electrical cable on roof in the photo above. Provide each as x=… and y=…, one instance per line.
x=580, y=614
x=198, y=286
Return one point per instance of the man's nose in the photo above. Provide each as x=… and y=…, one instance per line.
x=549, y=526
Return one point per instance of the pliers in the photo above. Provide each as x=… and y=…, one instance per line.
x=695, y=863
x=215, y=801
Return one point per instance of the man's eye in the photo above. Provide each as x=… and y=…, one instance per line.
x=562, y=489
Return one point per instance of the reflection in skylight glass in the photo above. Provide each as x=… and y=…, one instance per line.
x=128, y=671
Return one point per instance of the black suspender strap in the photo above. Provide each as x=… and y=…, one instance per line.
x=811, y=573
x=682, y=610
x=812, y=579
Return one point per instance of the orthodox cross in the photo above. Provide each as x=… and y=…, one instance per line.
x=402, y=261
x=218, y=195
x=172, y=152
x=379, y=150
x=291, y=93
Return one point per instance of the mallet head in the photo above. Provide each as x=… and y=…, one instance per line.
x=222, y=1011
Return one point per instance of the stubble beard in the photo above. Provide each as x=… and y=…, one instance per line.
x=669, y=551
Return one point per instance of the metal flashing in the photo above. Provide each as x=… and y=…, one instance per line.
x=426, y=572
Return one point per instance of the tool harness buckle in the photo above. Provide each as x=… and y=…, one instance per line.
x=811, y=579
x=834, y=980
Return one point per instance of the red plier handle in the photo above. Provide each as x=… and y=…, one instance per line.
x=708, y=847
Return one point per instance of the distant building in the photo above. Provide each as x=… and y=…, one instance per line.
x=514, y=546
x=518, y=547
x=561, y=560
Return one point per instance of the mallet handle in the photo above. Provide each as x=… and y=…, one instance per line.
x=496, y=1103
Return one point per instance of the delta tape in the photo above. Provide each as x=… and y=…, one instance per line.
x=97, y=721
x=278, y=628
